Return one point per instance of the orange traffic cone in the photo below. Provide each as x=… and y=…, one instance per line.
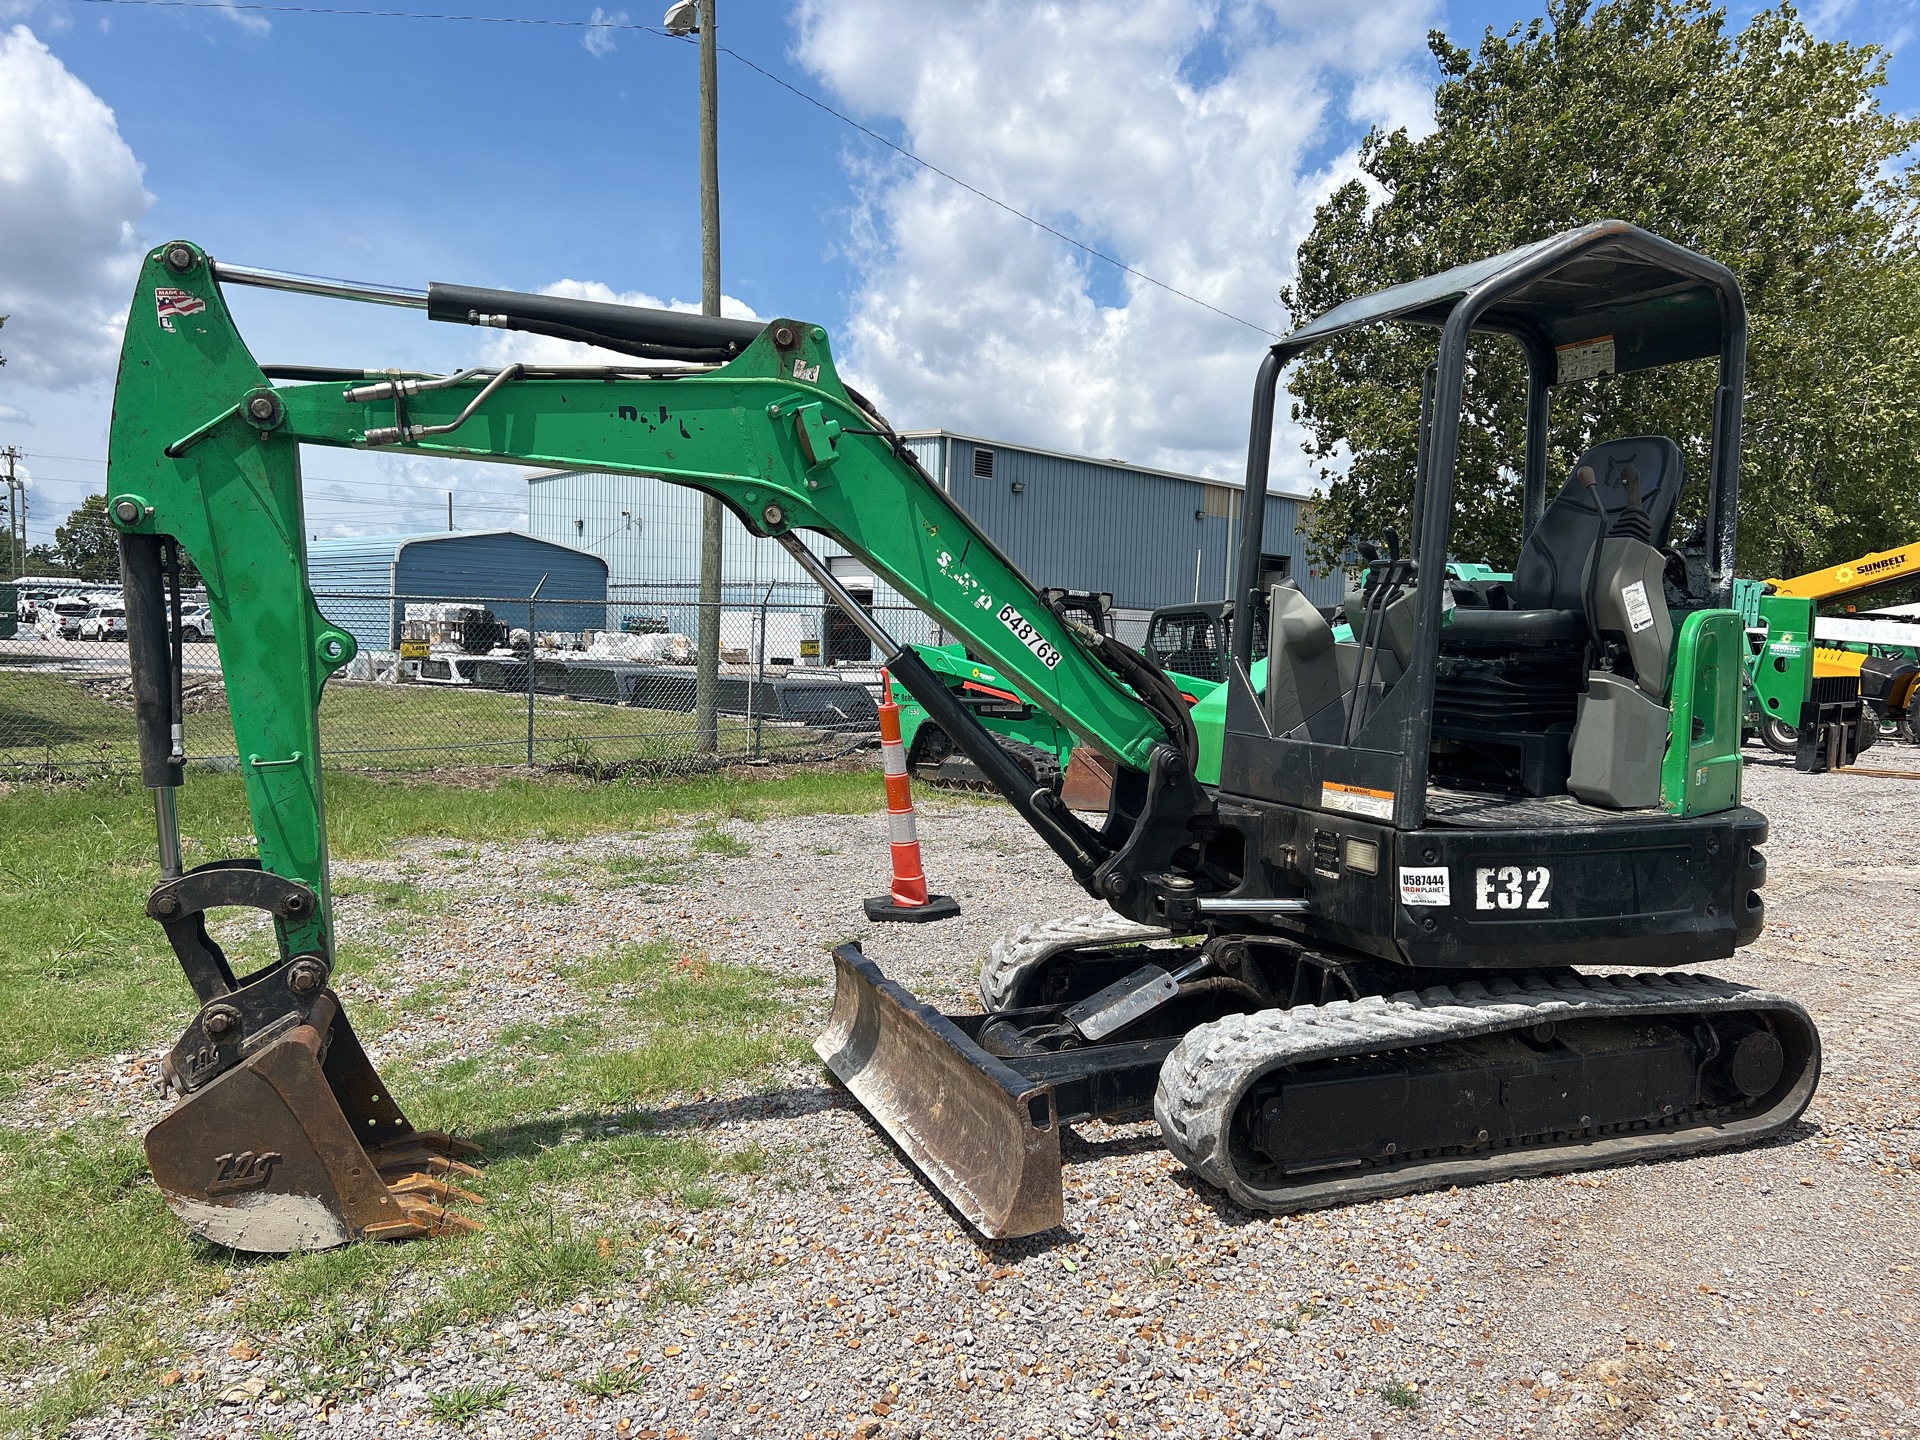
x=909, y=900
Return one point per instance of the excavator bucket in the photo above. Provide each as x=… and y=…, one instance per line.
x=987, y=1137
x=299, y=1147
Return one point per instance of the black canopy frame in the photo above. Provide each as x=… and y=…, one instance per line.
x=1658, y=302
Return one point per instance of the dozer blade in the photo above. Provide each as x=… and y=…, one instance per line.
x=987, y=1138
x=299, y=1147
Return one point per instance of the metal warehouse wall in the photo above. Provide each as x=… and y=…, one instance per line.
x=491, y=565
x=647, y=530
x=1150, y=537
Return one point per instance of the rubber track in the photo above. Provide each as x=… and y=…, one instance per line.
x=1013, y=958
x=1039, y=763
x=1204, y=1079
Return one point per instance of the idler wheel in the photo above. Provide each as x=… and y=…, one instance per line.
x=1757, y=1062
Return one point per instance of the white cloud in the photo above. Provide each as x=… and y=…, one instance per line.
x=251, y=21
x=71, y=200
x=503, y=347
x=601, y=38
x=1188, y=139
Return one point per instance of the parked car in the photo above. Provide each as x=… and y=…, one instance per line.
x=63, y=617
x=196, y=624
x=107, y=622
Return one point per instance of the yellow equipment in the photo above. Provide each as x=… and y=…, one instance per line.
x=1887, y=686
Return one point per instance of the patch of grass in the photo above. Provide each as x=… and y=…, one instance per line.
x=711, y=840
x=51, y=719
x=464, y=1404
x=84, y=972
x=612, y=1382
x=565, y=1109
x=1399, y=1394
x=1293, y=1320
x=79, y=1217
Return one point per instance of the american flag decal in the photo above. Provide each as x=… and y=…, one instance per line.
x=169, y=303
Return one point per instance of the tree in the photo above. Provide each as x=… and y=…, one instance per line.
x=1767, y=150
x=87, y=543
x=44, y=560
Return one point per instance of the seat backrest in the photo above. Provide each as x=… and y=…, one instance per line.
x=1554, y=559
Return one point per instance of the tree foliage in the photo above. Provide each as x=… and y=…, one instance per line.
x=1766, y=149
x=87, y=543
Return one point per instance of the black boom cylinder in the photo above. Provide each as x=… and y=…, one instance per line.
x=659, y=334
x=150, y=657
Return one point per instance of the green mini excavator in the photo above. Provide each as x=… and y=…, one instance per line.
x=1434, y=923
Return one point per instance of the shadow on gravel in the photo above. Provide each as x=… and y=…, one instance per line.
x=528, y=1137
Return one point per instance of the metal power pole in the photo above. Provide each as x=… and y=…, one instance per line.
x=706, y=717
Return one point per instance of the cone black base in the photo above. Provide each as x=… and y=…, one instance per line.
x=884, y=908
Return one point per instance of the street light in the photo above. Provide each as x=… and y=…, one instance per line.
x=695, y=17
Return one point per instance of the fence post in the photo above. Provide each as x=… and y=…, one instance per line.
x=533, y=653
x=760, y=671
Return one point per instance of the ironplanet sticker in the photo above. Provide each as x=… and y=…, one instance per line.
x=1356, y=800
x=1425, y=885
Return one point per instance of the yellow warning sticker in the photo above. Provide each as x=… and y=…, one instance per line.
x=1356, y=800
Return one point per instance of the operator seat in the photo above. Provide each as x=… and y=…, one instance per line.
x=1546, y=603
x=1512, y=676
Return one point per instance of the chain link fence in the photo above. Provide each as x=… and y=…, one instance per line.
x=605, y=687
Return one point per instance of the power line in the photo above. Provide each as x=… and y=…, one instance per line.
x=766, y=74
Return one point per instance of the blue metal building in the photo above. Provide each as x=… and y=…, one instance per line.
x=363, y=583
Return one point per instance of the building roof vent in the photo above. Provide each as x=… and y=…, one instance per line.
x=982, y=463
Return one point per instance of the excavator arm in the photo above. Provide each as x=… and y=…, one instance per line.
x=204, y=458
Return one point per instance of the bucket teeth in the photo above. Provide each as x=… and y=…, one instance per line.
x=423, y=1220
x=433, y=1187
x=406, y=1156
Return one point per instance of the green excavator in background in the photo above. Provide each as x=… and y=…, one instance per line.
x=1344, y=970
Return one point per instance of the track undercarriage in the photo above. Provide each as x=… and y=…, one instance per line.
x=1294, y=1079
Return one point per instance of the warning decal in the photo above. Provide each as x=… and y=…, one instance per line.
x=1585, y=359
x=1356, y=800
x=1639, y=612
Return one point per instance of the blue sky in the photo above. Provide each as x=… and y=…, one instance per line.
x=410, y=150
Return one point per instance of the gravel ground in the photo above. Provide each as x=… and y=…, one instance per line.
x=1768, y=1292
